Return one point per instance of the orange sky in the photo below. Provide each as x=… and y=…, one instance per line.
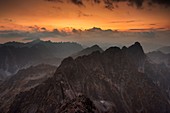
x=25, y=13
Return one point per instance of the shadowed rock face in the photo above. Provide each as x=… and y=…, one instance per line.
x=113, y=80
x=159, y=70
x=24, y=80
x=80, y=104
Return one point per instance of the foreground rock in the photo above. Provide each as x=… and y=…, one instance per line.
x=24, y=80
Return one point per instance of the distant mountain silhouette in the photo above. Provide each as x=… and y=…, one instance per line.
x=87, y=51
x=159, y=57
x=15, y=56
x=116, y=81
x=165, y=49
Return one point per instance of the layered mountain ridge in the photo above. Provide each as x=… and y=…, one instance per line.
x=15, y=56
x=116, y=80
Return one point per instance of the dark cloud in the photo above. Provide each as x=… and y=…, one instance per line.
x=97, y=1
x=76, y=30
x=161, y=2
x=32, y=34
x=43, y=29
x=8, y=20
x=139, y=3
x=152, y=24
x=55, y=1
x=150, y=29
x=111, y=4
x=129, y=21
x=2, y=26
x=35, y=28
x=94, y=29
x=80, y=14
x=78, y=2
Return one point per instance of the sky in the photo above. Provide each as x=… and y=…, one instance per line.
x=105, y=22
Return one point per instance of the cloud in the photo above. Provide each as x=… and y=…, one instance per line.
x=95, y=35
x=2, y=26
x=149, y=29
x=35, y=34
x=152, y=24
x=78, y=2
x=55, y=1
x=8, y=20
x=129, y=21
x=161, y=2
x=111, y=4
x=81, y=14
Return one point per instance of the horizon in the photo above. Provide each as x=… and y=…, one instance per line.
x=84, y=56
x=89, y=46
x=88, y=22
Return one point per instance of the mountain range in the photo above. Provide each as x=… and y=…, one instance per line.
x=117, y=80
x=15, y=55
x=159, y=57
x=165, y=49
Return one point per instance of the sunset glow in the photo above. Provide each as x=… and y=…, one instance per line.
x=54, y=14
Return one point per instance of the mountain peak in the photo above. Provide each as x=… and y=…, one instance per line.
x=136, y=48
x=95, y=47
x=137, y=43
x=88, y=51
x=37, y=40
x=112, y=49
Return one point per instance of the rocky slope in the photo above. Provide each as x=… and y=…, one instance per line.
x=24, y=80
x=116, y=80
x=80, y=104
x=159, y=70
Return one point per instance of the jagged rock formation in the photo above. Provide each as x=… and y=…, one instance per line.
x=80, y=104
x=116, y=80
x=24, y=80
x=15, y=56
x=87, y=51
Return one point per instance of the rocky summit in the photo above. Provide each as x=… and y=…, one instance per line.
x=113, y=81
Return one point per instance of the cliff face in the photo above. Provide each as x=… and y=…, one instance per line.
x=115, y=80
x=22, y=81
